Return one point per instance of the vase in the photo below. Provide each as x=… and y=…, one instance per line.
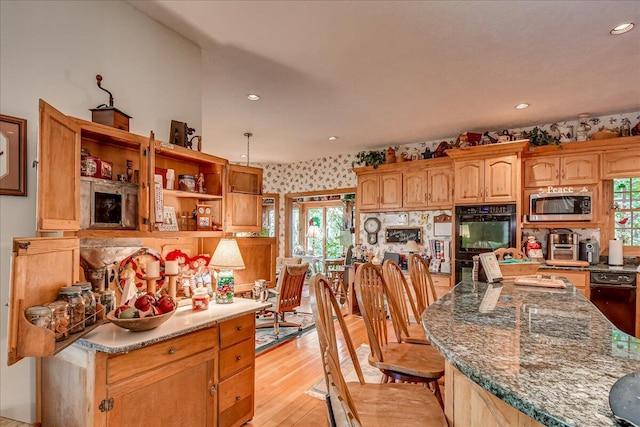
x=224, y=287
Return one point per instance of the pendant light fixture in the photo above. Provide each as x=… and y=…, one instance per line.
x=248, y=135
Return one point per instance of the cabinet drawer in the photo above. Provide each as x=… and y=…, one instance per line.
x=237, y=357
x=235, y=330
x=149, y=358
x=236, y=399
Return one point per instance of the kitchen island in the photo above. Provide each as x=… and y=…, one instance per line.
x=527, y=356
x=195, y=369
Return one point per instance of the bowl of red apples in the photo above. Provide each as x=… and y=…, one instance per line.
x=146, y=311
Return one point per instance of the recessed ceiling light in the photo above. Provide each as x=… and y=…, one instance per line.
x=253, y=97
x=244, y=156
x=521, y=106
x=622, y=28
x=333, y=138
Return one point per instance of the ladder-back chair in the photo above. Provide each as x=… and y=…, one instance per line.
x=360, y=403
x=398, y=291
x=422, y=283
x=398, y=361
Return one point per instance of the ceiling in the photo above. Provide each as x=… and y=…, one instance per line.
x=380, y=73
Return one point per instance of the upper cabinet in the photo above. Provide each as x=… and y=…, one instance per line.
x=413, y=185
x=58, y=171
x=574, y=169
x=486, y=180
x=622, y=161
x=244, y=199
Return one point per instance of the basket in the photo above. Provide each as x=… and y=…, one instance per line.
x=140, y=324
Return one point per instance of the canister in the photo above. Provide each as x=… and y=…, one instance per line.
x=186, y=182
x=89, y=303
x=71, y=295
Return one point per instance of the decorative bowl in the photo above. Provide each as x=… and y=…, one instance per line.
x=140, y=324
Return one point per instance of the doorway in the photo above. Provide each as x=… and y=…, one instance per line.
x=319, y=224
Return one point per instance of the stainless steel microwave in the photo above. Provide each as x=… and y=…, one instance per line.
x=561, y=206
x=108, y=204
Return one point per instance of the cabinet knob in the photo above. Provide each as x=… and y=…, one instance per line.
x=212, y=390
x=238, y=398
x=238, y=357
x=239, y=327
x=172, y=351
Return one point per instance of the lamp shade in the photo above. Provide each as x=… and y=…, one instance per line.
x=313, y=232
x=227, y=256
x=411, y=246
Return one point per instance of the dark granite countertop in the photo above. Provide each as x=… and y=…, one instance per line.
x=598, y=268
x=549, y=353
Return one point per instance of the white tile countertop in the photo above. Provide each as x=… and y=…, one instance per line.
x=110, y=338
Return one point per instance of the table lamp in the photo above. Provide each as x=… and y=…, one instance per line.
x=313, y=233
x=411, y=247
x=226, y=258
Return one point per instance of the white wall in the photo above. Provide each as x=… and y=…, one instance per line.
x=53, y=50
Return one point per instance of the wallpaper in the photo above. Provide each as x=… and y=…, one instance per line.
x=334, y=172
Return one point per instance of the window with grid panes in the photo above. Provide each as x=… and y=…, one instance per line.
x=626, y=214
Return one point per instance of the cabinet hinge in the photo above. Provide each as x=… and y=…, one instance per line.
x=145, y=152
x=106, y=405
x=24, y=245
x=145, y=221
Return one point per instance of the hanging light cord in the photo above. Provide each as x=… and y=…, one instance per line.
x=248, y=135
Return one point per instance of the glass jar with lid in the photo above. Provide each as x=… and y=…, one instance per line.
x=108, y=300
x=200, y=299
x=72, y=295
x=89, y=303
x=60, y=316
x=40, y=316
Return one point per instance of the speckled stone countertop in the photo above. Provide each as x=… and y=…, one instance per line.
x=549, y=353
x=110, y=338
x=597, y=268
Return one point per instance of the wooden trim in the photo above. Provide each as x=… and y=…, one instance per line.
x=321, y=192
x=404, y=166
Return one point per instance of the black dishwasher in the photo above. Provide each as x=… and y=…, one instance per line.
x=614, y=293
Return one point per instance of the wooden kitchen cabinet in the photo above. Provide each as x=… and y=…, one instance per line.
x=237, y=371
x=244, y=199
x=486, y=180
x=561, y=170
x=380, y=191
x=580, y=279
x=173, y=382
x=428, y=188
x=623, y=162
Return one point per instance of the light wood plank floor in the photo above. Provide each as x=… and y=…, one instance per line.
x=286, y=372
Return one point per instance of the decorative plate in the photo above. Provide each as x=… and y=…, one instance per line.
x=137, y=262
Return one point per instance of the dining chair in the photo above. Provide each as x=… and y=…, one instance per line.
x=422, y=283
x=359, y=403
x=398, y=361
x=288, y=294
x=334, y=269
x=398, y=290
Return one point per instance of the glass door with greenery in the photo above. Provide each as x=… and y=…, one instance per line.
x=626, y=206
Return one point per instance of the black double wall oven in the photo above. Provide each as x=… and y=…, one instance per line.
x=479, y=229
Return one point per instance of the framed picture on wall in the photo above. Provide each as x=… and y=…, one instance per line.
x=13, y=156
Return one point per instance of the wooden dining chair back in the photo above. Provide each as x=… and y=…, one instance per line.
x=370, y=295
x=402, y=306
x=288, y=296
x=422, y=283
x=509, y=253
x=355, y=404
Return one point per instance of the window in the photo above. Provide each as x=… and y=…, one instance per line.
x=626, y=215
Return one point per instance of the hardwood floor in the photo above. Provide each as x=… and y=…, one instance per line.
x=286, y=372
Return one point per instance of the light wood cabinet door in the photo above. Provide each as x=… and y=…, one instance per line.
x=185, y=394
x=440, y=187
x=500, y=179
x=368, y=192
x=415, y=189
x=565, y=170
x=469, y=181
x=391, y=190
x=58, y=171
x=541, y=172
x=621, y=164
x=579, y=169
x=244, y=213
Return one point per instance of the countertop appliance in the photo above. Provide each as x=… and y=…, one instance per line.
x=589, y=251
x=615, y=293
x=561, y=206
x=563, y=245
x=479, y=229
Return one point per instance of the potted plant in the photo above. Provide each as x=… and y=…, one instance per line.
x=370, y=158
x=538, y=137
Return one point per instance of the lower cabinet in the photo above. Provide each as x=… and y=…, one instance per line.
x=203, y=378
